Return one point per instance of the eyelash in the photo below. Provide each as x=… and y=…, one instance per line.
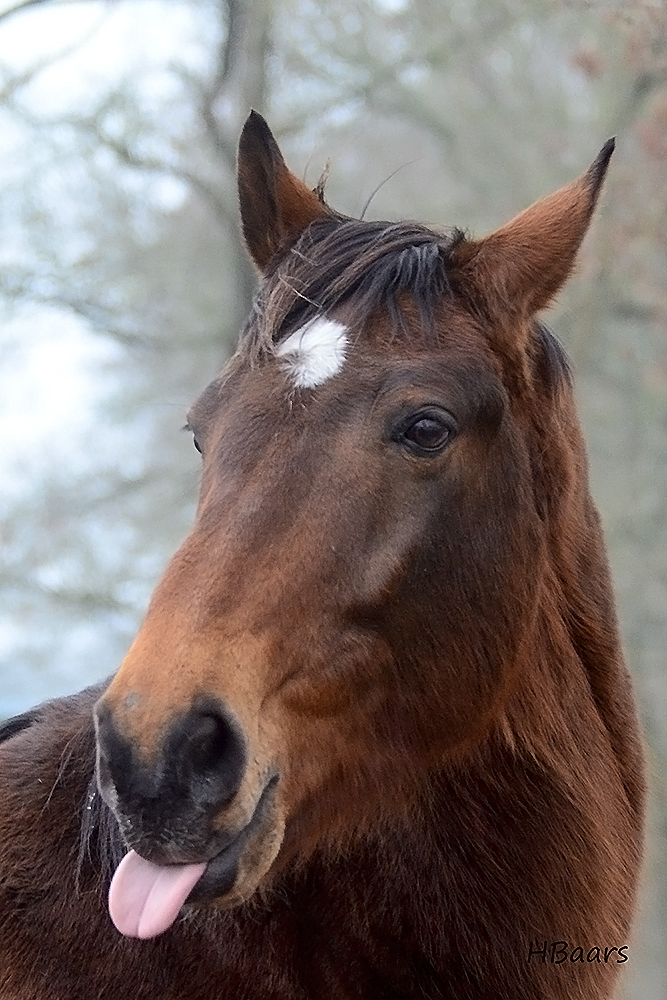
x=190, y=430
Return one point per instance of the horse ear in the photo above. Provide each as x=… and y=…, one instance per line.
x=275, y=205
x=521, y=266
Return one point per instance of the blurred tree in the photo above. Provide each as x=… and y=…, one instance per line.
x=168, y=288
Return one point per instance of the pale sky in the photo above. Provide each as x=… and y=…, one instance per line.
x=49, y=364
x=47, y=373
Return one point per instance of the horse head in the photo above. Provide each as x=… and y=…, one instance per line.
x=378, y=516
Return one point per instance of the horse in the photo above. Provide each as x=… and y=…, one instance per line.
x=375, y=737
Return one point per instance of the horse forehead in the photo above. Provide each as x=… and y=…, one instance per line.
x=315, y=352
x=371, y=361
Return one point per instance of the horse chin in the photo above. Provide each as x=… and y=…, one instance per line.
x=252, y=869
x=232, y=876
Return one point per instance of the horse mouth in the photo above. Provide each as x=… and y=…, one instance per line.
x=145, y=898
x=243, y=860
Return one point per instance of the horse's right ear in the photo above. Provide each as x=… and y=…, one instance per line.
x=275, y=205
x=520, y=268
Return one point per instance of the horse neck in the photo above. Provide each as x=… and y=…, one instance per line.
x=560, y=766
x=576, y=669
x=488, y=840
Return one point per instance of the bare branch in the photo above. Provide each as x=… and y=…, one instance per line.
x=19, y=7
x=16, y=83
x=131, y=158
x=22, y=289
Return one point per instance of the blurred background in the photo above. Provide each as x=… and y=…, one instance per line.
x=123, y=281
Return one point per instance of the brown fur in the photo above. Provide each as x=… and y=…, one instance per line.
x=418, y=652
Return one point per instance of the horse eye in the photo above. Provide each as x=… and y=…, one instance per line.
x=427, y=434
x=196, y=444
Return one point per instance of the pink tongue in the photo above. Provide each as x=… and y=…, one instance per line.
x=144, y=899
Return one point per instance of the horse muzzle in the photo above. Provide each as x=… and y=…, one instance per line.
x=201, y=826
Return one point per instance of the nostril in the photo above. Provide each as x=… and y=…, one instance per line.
x=210, y=749
x=209, y=742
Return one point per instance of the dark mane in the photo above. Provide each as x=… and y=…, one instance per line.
x=339, y=260
x=552, y=365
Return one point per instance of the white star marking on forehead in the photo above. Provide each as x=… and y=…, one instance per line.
x=315, y=352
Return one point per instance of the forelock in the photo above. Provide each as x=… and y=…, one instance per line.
x=370, y=265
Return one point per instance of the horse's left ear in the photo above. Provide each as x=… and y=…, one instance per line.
x=275, y=205
x=520, y=267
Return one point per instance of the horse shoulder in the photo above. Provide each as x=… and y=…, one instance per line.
x=46, y=762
